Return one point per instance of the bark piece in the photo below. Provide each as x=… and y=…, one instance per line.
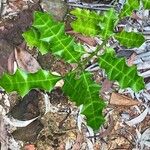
x=121, y=100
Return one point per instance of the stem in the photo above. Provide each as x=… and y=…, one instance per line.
x=99, y=47
x=81, y=65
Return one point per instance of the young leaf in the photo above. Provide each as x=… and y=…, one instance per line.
x=83, y=90
x=146, y=4
x=32, y=37
x=108, y=23
x=23, y=82
x=128, y=7
x=130, y=39
x=117, y=70
x=53, y=33
x=86, y=22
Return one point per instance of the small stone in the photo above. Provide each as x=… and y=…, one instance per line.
x=58, y=8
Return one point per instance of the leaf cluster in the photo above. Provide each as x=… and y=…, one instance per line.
x=49, y=36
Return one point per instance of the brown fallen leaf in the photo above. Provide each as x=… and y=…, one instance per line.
x=4, y=139
x=78, y=142
x=135, y=16
x=26, y=61
x=84, y=39
x=29, y=147
x=106, y=86
x=1, y=70
x=131, y=59
x=10, y=62
x=121, y=100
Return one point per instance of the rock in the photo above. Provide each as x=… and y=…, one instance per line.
x=57, y=8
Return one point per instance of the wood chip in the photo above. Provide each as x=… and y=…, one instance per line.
x=121, y=100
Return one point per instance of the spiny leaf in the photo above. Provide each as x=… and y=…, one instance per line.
x=83, y=90
x=108, y=23
x=23, y=82
x=32, y=37
x=53, y=33
x=117, y=70
x=130, y=39
x=146, y=4
x=129, y=6
x=86, y=22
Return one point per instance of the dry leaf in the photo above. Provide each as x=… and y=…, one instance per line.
x=131, y=59
x=84, y=39
x=145, y=138
x=135, y=16
x=29, y=147
x=3, y=135
x=26, y=61
x=106, y=86
x=1, y=70
x=138, y=119
x=78, y=142
x=10, y=61
x=121, y=100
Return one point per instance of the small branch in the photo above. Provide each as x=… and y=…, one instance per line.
x=102, y=7
x=64, y=119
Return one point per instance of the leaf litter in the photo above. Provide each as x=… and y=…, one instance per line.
x=123, y=123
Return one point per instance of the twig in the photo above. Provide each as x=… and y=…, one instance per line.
x=99, y=47
x=102, y=7
x=62, y=122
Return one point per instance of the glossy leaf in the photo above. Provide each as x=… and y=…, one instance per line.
x=117, y=70
x=108, y=24
x=32, y=37
x=23, y=82
x=129, y=7
x=146, y=4
x=87, y=21
x=53, y=33
x=130, y=39
x=83, y=90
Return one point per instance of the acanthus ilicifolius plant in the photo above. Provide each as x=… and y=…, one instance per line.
x=49, y=36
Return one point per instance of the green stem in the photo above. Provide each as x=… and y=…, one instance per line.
x=99, y=47
x=81, y=64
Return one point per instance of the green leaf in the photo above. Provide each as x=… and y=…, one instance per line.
x=23, y=82
x=130, y=39
x=83, y=90
x=32, y=37
x=146, y=4
x=91, y=23
x=107, y=25
x=53, y=33
x=86, y=22
x=117, y=70
x=128, y=7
